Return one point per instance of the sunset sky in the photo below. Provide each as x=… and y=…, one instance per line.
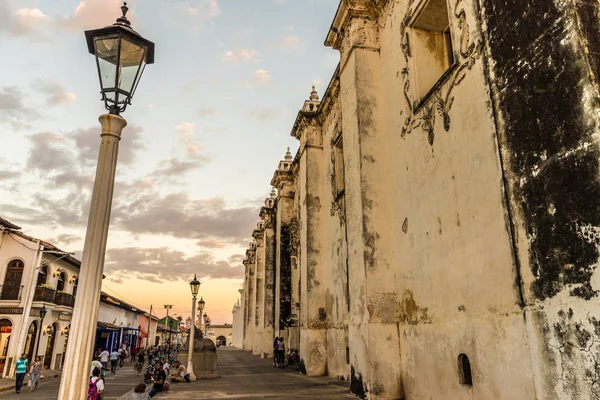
x=206, y=130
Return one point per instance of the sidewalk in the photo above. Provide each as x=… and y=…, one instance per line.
x=48, y=374
x=244, y=376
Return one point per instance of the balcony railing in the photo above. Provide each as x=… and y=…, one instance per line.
x=44, y=294
x=11, y=292
x=64, y=299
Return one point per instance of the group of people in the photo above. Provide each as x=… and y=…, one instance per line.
x=280, y=358
x=23, y=369
x=160, y=359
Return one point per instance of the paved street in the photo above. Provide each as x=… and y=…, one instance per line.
x=116, y=385
x=244, y=376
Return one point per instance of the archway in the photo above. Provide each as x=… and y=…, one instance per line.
x=221, y=341
x=12, y=282
x=51, y=333
x=31, y=339
x=5, y=331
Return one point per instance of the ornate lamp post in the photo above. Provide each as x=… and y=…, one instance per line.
x=168, y=307
x=201, y=304
x=195, y=287
x=121, y=56
x=37, y=345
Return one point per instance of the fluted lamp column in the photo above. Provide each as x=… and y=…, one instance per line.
x=195, y=287
x=201, y=304
x=121, y=56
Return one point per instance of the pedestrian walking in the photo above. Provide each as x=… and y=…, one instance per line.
x=34, y=374
x=159, y=380
x=104, y=357
x=114, y=359
x=140, y=362
x=281, y=352
x=275, y=352
x=21, y=372
x=95, y=386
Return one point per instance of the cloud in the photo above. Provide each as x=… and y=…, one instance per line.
x=9, y=175
x=293, y=42
x=149, y=212
x=163, y=264
x=193, y=15
x=211, y=244
x=173, y=167
x=92, y=14
x=13, y=109
x=66, y=239
x=265, y=114
x=261, y=76
x=206, y=112
x=55, y=93
x=48, y=153
x=23, y=22
x=243, y=55
x=87, y=141
x=187, y=134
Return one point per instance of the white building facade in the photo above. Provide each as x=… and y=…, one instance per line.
x=35, y=275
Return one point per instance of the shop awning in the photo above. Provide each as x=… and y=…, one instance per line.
x=108, y=326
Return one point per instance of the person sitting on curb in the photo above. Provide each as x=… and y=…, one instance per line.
x=180, y=373
x=139, y=393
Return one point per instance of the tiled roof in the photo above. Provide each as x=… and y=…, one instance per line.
x=8, y=224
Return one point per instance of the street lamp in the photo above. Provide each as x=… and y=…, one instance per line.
x=195, y=287
x=168, y=307
x=37, y=345
x=121, y=56
x=201, y=304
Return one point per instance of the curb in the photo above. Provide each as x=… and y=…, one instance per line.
x=11, y=386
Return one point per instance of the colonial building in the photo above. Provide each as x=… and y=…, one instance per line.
x=34, y=274
x=40, y=279
x=119, y=324
x=437, y=234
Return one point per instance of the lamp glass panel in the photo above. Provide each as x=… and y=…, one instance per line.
x=132, y=58
x=107, y=52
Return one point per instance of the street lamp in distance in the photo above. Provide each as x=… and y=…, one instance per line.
x=195, y=287
x=201, y=304
x=121, y=57
x=43, y=312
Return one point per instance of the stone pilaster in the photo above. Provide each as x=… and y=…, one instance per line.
x=284, y=182
x=259, y=294
x=313, y=290
x=267, y=213
x=250, y=298
x=373, y=333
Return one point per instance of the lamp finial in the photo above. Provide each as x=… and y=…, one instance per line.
x=123, y=19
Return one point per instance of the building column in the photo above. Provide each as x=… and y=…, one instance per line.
x=313, y=288
x=284, y=182
x=251, y=298
x=373, y=332
x=259, y=294
x=267, y=213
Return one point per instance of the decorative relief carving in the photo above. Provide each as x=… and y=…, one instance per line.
x=441, y=101
x=294, y=237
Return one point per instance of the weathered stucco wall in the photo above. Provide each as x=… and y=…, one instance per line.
x=545, y=96
x=469, y=220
